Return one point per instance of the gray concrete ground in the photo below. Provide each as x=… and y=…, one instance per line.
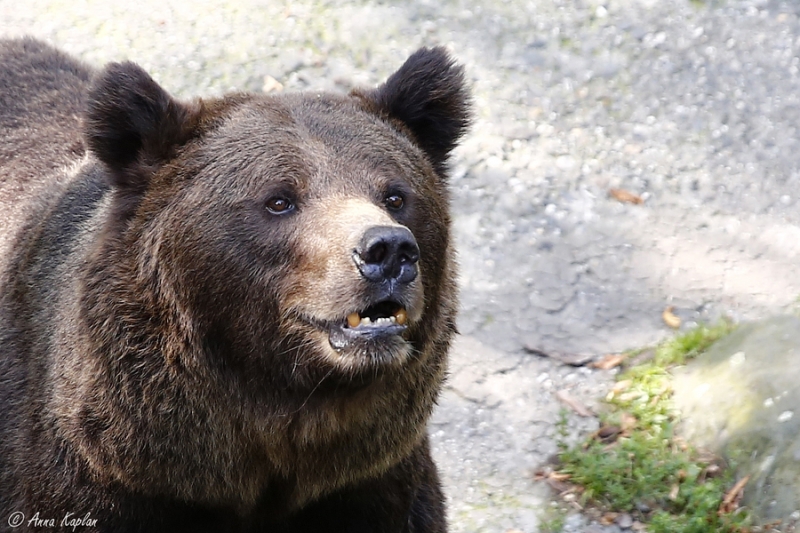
x=692, y=105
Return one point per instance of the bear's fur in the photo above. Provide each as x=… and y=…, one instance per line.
x=178, y=281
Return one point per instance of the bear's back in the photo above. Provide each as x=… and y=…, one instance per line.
x=42, y=94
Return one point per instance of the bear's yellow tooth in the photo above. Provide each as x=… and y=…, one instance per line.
x=401, y=316
x=353, y=320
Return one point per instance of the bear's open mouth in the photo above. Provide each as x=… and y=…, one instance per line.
x=380, y=315
x=384, y=319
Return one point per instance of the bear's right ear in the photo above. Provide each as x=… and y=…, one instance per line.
x=133, y=125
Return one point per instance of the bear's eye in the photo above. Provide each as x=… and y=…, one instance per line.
x=279, y=205
x=394, y=202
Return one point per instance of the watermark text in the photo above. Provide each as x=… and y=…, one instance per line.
x=69, y=520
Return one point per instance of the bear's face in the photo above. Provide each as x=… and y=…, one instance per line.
x=306, y=224
x=274, y=278
x=309, y=225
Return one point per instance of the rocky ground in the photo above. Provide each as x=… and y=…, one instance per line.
x=691, y=105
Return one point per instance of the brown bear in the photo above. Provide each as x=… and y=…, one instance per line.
x=223, y=315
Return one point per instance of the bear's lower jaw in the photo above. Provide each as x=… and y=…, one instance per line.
x=367, y=349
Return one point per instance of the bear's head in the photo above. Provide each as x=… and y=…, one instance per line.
x=278, y=266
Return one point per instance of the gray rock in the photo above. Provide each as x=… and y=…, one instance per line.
x=742, y=399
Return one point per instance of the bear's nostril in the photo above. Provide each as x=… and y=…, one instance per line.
x=375, y=253
x=409, y=254
x=388, y=253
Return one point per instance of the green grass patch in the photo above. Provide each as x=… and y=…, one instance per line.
x=690, y=344
x=636, y=464
x=552, y=520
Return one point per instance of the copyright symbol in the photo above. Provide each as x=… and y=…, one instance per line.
x=15, y=520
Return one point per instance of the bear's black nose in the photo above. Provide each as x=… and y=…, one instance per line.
x=387, y=253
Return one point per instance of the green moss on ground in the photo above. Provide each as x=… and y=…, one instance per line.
x=636, y=464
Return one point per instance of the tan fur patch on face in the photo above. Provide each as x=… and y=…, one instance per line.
x=327, y=286
x=328, y=283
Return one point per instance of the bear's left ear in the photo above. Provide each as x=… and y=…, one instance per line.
x=428, y=95
x=133, y=125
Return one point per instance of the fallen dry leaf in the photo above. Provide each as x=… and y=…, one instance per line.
x=621, y=195
x=548, y=473
x=628, y=422
x=608, y=362
x=608, y=518
x=630, y=396
x=620, y=386
x=731, y=501
x=271, y=85
x=572, y=403
x=655, y=399
x=674, y=491
x=670, y=318
x=558, y=481
x=606, y=434
x=679, y=443
x=773, y=526
x=540, y=475
x=559, y=486
x=560, y=476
